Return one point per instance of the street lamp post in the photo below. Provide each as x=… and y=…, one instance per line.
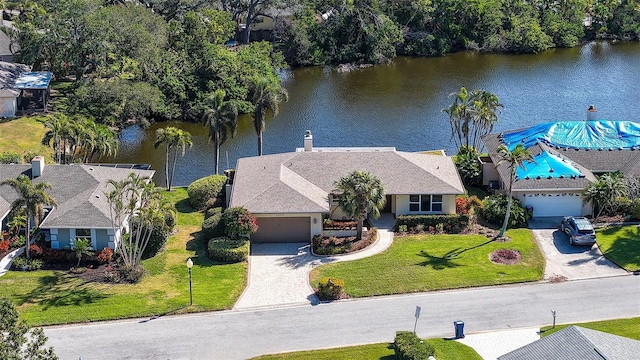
x=189, y=266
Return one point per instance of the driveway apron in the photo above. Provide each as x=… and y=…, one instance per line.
x=569, y=262
x=279, y=273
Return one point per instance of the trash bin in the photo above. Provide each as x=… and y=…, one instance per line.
x=459, y=324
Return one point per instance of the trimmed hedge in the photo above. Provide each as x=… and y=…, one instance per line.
x=228, y=250
x=212, y=211
x=213, y=226
x=207, y=192
x=330, y=288
x=408, y=346
x=450, y=223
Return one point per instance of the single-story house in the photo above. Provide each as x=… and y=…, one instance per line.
x=568, y=155
x=80, y=192
x=9, y=95
x=291, y=193
x=577, y=343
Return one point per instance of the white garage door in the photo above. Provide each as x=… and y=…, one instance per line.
x=559, y=204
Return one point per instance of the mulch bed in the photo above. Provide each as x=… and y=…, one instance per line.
x=505, y=256
x=332, y=245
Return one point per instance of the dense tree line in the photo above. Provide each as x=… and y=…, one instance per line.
x=135, y=61
x=374, y=31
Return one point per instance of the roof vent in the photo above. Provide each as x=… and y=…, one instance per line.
x=37, y=166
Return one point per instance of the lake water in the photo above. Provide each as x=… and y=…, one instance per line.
x=400, y=104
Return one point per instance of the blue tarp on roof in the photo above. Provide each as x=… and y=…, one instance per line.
x=36, y=80
x=599, y=134
x=547, y=166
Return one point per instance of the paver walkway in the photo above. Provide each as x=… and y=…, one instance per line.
x=279, y=273
x=567, y=261
x=5, y=262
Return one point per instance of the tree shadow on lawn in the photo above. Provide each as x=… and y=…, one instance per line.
x=55, y=291
x=445, y=261
x=184, y=206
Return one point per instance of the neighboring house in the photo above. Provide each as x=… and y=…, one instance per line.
x=567, y=157
x=80, y=191
x=578, y=343
x=291, y=193
x=9, y=95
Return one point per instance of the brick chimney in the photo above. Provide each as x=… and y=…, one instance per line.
x=37, y=166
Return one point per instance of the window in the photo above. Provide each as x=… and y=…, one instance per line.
x=83, y=234
x=425, y=203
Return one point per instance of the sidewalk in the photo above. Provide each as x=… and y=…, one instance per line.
x=279, y=273
x=5, y=262
x=490, y=345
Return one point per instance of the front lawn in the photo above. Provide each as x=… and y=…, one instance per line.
x=435, y=262
x=622, y=327
x=54, y=297
x=621, y=244
x=445, y=350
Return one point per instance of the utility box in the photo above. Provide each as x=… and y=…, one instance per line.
x=459, y=325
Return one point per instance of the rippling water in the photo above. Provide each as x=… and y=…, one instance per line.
x=401, y=104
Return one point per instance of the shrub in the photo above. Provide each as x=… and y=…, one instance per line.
x=408, y=346
x=4, y=245
x=35, y=250
x=157, y=241
x=78, y=270
x=333, y=245
x=213, y=226
x=212, y=211
x=238, y=221
x=131, y=274
x=453, y=223
x=462, y=204
x=207, y=192
x=22, y=263
x=10, y=157
x=228, y=250
x=330, y=224
x=111, y=276
x=622, y=206
x=16, y=242
x=104, y=256
x=495, y=207
x=468, y=165
x=330, y=288
x=636, y=210
x=57, y=256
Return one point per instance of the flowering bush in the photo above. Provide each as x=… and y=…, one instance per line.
x=4, y=245
x=104, y=256
x=35, y=250
x=462, y=205
x=238, y=221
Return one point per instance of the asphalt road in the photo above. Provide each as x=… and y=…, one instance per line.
x=248, y=333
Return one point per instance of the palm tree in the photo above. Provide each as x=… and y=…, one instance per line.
x=264, y=96
x=603, y=192
x=222, y=119
x=55, y=124
x=82, y=247
x=31, y=198
x=176, y=139
x=516, y=159
x=360, y=193
x=472, y=115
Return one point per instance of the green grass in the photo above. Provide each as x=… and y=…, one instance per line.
x=53, y=297
x=621, y=244
x=623, y=327
x=24, y=134
x=435, y=262
x=445, y=350
x=475, y=191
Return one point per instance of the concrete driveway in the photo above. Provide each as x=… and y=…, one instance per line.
x=569, y=262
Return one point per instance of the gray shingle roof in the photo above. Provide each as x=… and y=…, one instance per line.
x=578, y=343
x=301, y=181
x=79, y=191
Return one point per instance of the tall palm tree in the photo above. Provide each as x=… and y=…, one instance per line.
x=360, y=193
x=31, y=198
x=486, y=108
x=264, y=96
x=176, y=140
x=460, y=117
x=55, y=124
x=221, y=117
x=515, y=159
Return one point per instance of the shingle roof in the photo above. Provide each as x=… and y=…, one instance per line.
x=301, y=181
x=79, y=191
x=578, y=343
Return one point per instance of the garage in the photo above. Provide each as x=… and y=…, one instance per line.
x=282, y=230
x=554, y=204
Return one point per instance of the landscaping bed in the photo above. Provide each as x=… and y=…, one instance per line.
x=332, y=245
